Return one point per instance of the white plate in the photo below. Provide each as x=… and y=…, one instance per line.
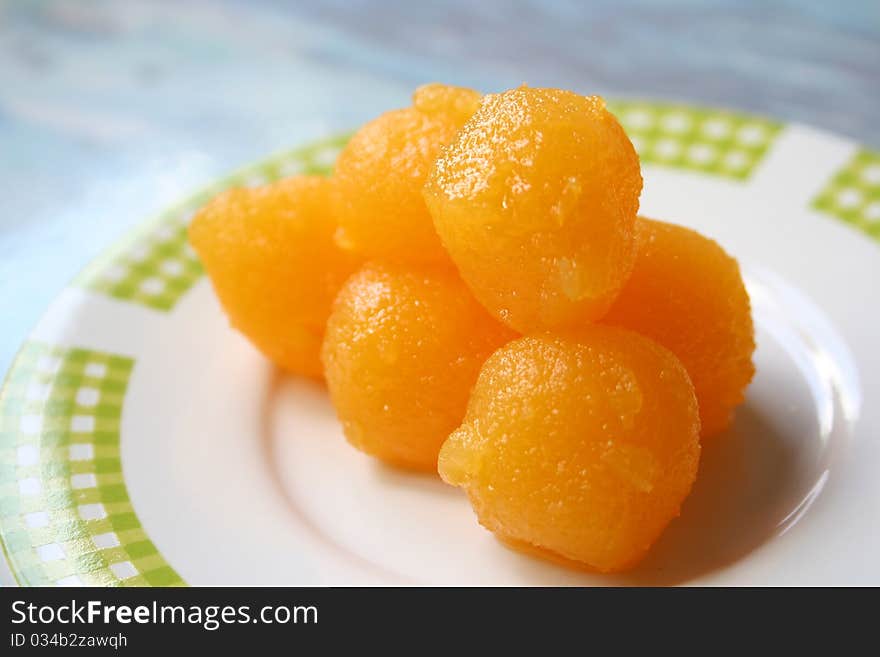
x=142, y=441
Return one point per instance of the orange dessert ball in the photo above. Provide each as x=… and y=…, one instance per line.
x=270, y=254
x=686, y=293
x=536, y=200
x=402, y=350
x=582, y=445
x=380, y=174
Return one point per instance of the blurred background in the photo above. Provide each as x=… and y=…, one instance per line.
x=112, y=109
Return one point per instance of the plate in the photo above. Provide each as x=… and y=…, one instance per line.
x=144, y=442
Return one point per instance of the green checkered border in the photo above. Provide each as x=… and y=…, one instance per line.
x=65, y=514
x=156, y=266
x=853, y=194
x=713, y=142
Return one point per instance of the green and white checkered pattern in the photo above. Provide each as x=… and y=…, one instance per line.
x=65, y=514
x=156, y=271
x=713, y=142
x=157, y=266
x=854, y=193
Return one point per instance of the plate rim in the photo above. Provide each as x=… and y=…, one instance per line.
x=277, y=160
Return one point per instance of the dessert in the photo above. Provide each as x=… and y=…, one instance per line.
x=379, y=176
x=686, y=293
x=583, y=444
x=500, y=315
x=535, y=200
x=402, y=350
x=270, y=255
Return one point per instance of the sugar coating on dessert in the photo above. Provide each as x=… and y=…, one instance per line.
x=402, y=350
x=270, y=254
x=687, y=293
x=535, y=200
x=380, y=173
x=583, y=444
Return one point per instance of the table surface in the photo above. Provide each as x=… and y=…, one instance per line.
x=112, y=109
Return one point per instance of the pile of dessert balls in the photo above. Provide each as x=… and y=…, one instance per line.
x=475, y=287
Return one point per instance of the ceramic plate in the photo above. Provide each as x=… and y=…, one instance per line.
x=143, y=442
